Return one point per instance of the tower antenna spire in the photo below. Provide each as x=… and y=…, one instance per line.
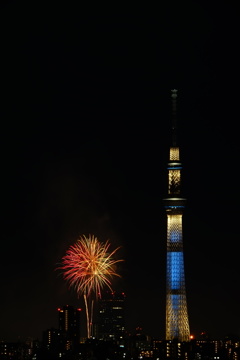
x=174, y=117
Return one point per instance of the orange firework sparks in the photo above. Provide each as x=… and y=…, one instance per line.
x=88, y=265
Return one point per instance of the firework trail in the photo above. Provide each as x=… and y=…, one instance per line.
x=88, y=266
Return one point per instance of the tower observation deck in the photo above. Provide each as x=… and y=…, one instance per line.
x=177, y=324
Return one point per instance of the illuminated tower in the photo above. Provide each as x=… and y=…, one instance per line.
x=177, y=325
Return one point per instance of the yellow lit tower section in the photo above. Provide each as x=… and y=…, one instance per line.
x=177, y=324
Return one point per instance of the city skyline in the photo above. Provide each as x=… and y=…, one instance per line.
x=85, y=138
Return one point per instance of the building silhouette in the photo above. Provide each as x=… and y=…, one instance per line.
x=177, y=324
x=111, y=317
x=69, y=326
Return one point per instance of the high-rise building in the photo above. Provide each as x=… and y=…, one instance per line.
x=69, y=325
x=111, y=319
x=52, y=340
x=177, y=324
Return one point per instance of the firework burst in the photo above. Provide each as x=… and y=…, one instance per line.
x=88, y=266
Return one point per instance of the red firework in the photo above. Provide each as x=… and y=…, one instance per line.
x=88, y=265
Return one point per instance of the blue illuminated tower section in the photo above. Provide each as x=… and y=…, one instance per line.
x=177, y=324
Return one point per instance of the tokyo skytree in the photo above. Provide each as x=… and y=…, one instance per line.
x=177, y=324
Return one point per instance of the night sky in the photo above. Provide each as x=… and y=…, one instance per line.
x=85, y=136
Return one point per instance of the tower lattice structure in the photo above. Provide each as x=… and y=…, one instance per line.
x=177, y=323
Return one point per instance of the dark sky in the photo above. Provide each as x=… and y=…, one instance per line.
x=85, y=135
